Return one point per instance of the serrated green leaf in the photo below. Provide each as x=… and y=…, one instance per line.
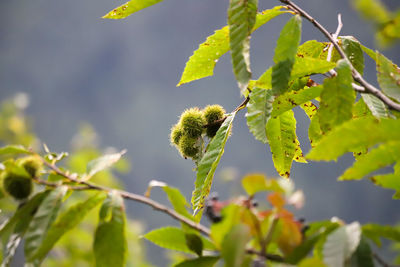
x=386, y=154
x=241, y=20
x=285, y=53
x=102, y=163
x=201, y=64
x=208, y=164
x=292, y=99
x=376, y=106
x=233, y=246
x=257, y=182
x=281, y=133
x=65, y=222
x=389, y=181
x=13, y=150
x=174, y=238
x=352, y=49
x=363, y=257
x=337, y=98
x=110, y=244
x=207, y=261
x=129, y=8
x=351, y=135
x=258, y=113
x=41, y=222
x=376, y=231
x=388, y=76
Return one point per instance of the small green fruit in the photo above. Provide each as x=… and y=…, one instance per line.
x=212, y=114
x=17, y=186
x=176, y=134
x=188, y=146
x=192, y=121
x=32, y=164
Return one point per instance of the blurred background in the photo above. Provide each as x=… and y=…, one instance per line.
x=120, y=76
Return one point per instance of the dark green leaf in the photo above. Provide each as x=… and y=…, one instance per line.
x=388, y=76
x=129, y=8
x=65, y=222
x=363, y=257
x=241, y=20
x=102, y=163
x=281, y=133
x=292, y=99
x=354, y=52
x=258, y=112
x=42, y=221
x=208, y=164
x=110, y=244
x=300, y=252
x=194, y=243
x=207, y=261
x=337, y=98
x=350, y=136
x=233, y=247
x=285, y=53
x=386, y=154
x=201, y=64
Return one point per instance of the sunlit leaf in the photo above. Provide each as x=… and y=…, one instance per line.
x=207, y=261
x=337, y=98
x=102, y=163
x=208, y=164
x=201, y=64
x=376, y=231
x=386, y=154
x=241, y=20
x=258, y=112
x=65, y=222
x=257, y=182
x=110, y=244
x=173, y=238
x=388, y=76
x=234, y=244
x=285, y=52
x=281, y=133
x=289, y=100
x=13, y=150
x=350, y=136
x=41, y=221
x=389, y=181
x=311, y=48
x=129, y=8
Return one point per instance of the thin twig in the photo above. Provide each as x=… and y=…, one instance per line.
x=381, y=261
x=369, y=88
x=131, y=196
x=335, y=37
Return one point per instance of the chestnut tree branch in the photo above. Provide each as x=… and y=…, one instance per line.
x=368, y=88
